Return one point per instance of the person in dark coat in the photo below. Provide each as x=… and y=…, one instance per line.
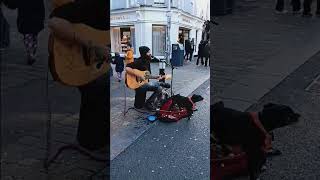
x=296, y=6
x=118, y=61
x=192, y=49
x=188, y=50
x=206, y=52
x=30, y=22
x=307, y=8
x=200, y=52
x=143, y=64
x=4, y=28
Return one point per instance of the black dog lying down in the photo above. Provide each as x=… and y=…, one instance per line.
x=234, y=127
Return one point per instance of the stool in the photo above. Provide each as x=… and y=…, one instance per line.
x=140, y=98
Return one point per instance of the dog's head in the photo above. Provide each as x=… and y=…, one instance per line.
x=276, y=116
x=196, y=98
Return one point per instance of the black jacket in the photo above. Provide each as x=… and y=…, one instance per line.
x=118, y=61
x=31, y=15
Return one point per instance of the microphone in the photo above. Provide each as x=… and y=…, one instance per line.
x=154, y=58
x=158, y=60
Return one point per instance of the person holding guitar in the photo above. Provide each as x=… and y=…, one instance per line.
x=93, y=127
x=138, y=74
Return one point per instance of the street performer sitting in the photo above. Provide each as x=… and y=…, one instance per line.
x=142, y=64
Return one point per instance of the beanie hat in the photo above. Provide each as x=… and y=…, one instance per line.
x=143, y=50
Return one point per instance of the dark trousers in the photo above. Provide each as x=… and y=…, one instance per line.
x=93, y=128
x=187, y=56
x=141, y=93
x=307, y=6
x=280, y=5
x=296, y=5
x=191, y=55
x=206, y=61
x=200, y=57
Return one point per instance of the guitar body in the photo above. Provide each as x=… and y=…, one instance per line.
x=132, y=80
x=71, y=64
x=58, y=3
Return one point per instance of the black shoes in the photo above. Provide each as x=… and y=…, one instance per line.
x=306, y=15
x=295, y=12
x=31, y=61
x=165, y=85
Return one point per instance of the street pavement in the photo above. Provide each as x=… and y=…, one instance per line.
x=254, y=49
x=261, y=57
x=178, y=150
x=299, y=143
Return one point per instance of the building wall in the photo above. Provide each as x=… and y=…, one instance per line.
x=119, y=4
x=143, y=20
x=185, y=5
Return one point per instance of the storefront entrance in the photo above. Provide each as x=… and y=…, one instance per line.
x=184, y=34
x=121, y=37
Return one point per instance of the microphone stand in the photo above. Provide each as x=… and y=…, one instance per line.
x=172, y=68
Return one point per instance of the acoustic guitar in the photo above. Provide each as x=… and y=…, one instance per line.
x=134, y=82
x=75, y=65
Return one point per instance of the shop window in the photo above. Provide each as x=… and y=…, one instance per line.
x=158, y=40
x=121, y=37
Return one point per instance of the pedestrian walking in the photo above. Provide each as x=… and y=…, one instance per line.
x=200, y=53
x=188, y=50
x=206, y=52
x=129, y=55
x=307, y=8
x=296, y=6
x=192, y=49
x=118, y=61
x=30, y=22
x=4, y=26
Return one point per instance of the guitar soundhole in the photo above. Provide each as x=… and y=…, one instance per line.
x=85, y=55
x=137, y=79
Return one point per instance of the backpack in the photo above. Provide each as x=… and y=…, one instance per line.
x=176, y=108
x=156, y=100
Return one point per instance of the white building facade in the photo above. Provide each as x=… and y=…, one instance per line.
x=143, y=23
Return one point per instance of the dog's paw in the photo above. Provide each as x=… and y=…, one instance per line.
x=274, y=152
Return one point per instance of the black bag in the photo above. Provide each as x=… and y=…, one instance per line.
x=4, y=31
x=156, y=100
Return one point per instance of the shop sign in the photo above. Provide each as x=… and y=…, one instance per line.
x=122, y=18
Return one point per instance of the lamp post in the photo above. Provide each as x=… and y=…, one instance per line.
x=163, y=62
x=168, y=40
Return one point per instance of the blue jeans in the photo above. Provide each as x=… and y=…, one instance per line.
x=141, y=93
x=151, y=86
